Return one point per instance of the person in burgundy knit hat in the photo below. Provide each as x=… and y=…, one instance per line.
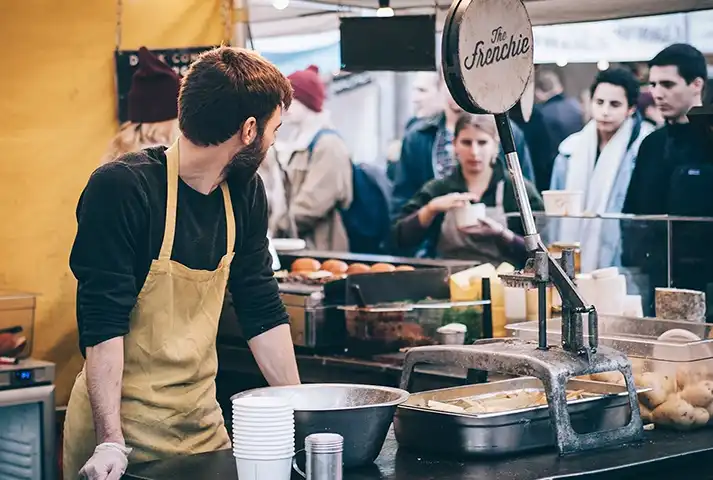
x=308, y=87
x=152, y=105
x=317, y=166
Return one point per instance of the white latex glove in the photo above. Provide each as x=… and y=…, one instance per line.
x=109, y=462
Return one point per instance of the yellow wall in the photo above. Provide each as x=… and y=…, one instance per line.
x=57, y=114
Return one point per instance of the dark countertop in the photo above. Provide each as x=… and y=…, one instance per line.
x=662, y=455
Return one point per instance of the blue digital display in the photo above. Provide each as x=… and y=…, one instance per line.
x=24, y=375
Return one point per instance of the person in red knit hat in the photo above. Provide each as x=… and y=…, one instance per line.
x=318, y=169
x=153, y=108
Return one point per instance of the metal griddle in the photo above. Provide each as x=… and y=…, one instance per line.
x=487, y=62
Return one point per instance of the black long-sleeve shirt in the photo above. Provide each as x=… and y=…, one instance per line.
x=121, y=216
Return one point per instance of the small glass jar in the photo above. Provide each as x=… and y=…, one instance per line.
x=556, y=249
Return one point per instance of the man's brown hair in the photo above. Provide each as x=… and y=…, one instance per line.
x=225, y=87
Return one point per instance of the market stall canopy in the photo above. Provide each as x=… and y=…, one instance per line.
x=323, y=15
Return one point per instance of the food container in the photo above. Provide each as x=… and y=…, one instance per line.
x=17, y=324
x=390, y=327
x=597, y=407
x=674, y=358
x=563, y=202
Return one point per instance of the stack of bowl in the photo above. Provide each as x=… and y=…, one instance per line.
x=263, y=438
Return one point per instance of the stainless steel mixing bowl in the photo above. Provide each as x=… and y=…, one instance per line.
x=361, y=414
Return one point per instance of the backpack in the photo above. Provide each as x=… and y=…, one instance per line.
x=367, y=219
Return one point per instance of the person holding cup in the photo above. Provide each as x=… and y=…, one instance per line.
x=462, y=215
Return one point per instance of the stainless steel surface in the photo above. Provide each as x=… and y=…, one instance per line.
x=636, y=337
x=361, y=414
x=554, y=367
x=324, y=456
x=420, y=428
x=308, y=318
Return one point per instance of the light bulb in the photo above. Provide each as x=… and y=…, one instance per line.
x=602, y=65
x=385, y=12
x=280, y=4
x=562, y=62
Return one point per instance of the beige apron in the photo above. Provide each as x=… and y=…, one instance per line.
x=168, y=400
x=452, y=243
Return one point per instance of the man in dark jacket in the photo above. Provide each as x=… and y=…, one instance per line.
x=672, y=176
x=562, y=114
x=427, y=153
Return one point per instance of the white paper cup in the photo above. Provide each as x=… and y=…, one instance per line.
x=469, y=215
x=261, y=403
x=237, y=408
x=274, y=451
x=264, y=428
x=563, y=202
x=261, y=417
x=276, y=469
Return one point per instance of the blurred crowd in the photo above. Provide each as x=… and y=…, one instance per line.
x=629, y=147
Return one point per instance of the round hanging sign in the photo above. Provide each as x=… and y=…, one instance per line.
x=487, y=54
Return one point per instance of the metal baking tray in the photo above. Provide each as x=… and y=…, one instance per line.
x=427, y=430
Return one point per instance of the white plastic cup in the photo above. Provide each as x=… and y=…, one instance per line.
x=469, y=215
x=250, y=451
x=563, y=202
x=264, y=469
x=261, y=403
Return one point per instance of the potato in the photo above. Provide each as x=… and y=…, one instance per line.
x=645, y=413
x=699, y=394
x=709, y=409
x=608, y=377
x=700, y=417
x=638, y=366
x=661, y=387
x=689, y=375
x=676, y=413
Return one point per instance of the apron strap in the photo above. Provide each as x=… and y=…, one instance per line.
x=500, y=194
x=229, y=217
x=169, y=231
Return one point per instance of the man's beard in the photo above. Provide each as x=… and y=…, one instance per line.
x=244, y=164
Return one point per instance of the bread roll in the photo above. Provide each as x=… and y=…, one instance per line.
x=306, y=265
x=382, y=268
x=404, y=268
x=337, y=267
x=357, y=268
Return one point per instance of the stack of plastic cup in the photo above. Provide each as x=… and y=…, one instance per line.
x=263, y=438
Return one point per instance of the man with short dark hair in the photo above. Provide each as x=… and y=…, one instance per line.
x=161, y=233
x=672, y=176
x=677, y=76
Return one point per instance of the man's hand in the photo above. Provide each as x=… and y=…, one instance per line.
x=275, y=355
x=109, y=462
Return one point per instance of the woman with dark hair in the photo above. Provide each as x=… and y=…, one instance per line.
x=478, y=177
x=598, y=160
